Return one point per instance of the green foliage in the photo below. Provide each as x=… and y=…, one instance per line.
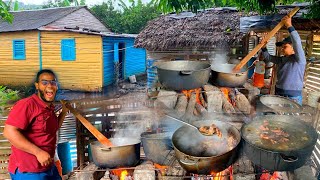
x=62, y=3
x=4, y=12
x=7, y=95
x=16, y=6
x=314, y=10
x=129, y=19
x=82, y=2
x=260, y=6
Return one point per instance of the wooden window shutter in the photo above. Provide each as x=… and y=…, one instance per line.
x=68, y=50
x=19, y=51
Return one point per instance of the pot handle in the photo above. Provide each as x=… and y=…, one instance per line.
x=186, y=72
x=288, y=159
x=269, y=113
x=106, y=149
x=188, y=162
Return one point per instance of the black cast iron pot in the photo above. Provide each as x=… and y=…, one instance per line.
x=286, y=156
x=201, y=154
x=183, y=75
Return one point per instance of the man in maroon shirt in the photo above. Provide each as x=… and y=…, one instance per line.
x=31, y=128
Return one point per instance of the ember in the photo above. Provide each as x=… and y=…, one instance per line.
x=161, y=168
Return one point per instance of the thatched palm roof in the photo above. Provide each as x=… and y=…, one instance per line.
x=213, y=28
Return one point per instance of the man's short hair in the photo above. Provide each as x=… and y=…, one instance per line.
x=44, y=71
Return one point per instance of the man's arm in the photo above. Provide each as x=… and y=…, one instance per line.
x=18, y=140
x=270, y=58
x=296, y=40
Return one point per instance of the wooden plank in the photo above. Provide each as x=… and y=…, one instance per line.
x=263, y=42
x=312, y=87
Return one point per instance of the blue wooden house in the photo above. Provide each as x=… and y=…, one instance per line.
x=72, y=42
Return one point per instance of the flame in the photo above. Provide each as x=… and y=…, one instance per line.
x=161, y=168
x=225, y=174
x=123, y=175
x=225, y=92
x=120, y=173
x=216, y=176
x=196, y=91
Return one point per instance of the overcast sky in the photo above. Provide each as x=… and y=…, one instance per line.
x=88, y=2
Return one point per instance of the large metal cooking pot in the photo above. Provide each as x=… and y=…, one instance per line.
x=183, y=75
x=124, y=153
x=267, y=150
x=222, y=75
x=280, y=103
x=157, y=146
x=201, y=154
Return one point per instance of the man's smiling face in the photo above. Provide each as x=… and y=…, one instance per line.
x=47, y=87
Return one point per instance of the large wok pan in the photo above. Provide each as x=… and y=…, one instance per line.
x=183, y=75
x=201, y=154
x=267, y=150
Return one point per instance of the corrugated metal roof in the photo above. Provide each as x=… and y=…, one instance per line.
x=34, y=19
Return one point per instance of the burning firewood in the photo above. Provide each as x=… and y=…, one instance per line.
x=213, y=97
x=227, y=106
x=201, y=110
x=188, y=116
x=242, y=102
x=181, y=105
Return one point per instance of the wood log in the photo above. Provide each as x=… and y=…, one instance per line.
x=202, y=111
x=188, y=116
x=168, y=98
x=242, y=103
x=214, y=98
x=227, y=106
x=181, y=104
x=203, y=102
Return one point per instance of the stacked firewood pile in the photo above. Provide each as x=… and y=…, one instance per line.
x=199, y=103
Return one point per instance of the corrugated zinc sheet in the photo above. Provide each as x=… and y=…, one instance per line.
x=81, y=18
x=108, y=62
x=85, y=73
x=19, y=72
x=135, y=62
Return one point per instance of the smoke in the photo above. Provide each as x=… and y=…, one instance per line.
x=220, y=57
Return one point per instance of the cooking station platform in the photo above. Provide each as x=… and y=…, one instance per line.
x=134, y=110
x=242, y=169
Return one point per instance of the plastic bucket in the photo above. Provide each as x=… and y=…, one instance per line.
x=65, y=157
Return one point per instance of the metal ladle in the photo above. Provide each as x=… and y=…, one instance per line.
x=193, y=126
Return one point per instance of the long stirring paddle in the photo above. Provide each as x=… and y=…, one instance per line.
x=101, y=138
